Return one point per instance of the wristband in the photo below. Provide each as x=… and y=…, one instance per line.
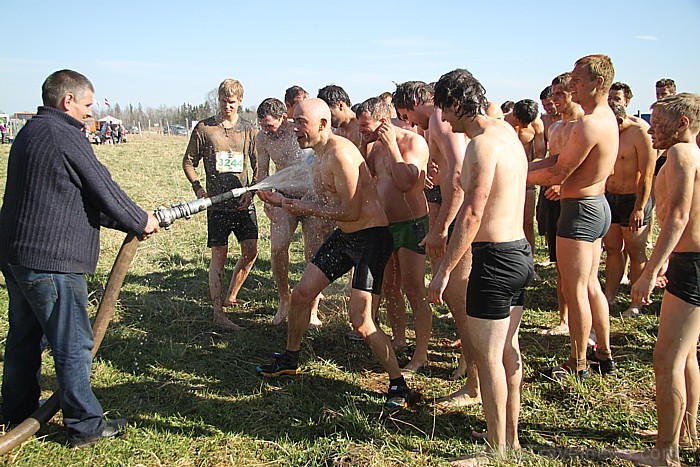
x=196, y=185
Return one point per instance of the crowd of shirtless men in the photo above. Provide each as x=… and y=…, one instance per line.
x=437, y=170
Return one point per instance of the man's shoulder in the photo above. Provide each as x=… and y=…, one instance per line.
x=342, y=147
x=208, y=122
x=410, y=138
x=684, y=152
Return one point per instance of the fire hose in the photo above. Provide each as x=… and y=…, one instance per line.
x=166, y=216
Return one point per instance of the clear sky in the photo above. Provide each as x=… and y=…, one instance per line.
x=167, y=53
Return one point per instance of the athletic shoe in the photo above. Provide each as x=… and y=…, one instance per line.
x=112, y=429
x=281, y=365
x=398, y=397
x=603, y=367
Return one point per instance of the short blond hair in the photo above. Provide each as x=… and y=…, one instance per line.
x=599, y=65
x=676, y=106
x=231, y=88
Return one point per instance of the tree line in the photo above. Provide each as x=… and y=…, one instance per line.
x=172, y=115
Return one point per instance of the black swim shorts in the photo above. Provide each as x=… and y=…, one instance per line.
x=683, y=276
x=500, y=273
x=621, y=207
x=585, y=219
x=220, y=224
x=366, y=250
x=553, y=211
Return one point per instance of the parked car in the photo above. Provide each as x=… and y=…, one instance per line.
x=177, y=130
x=133, y=130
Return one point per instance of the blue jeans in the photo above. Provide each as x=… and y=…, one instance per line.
x=51, y=304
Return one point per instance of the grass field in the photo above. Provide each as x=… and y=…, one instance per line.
x=192, y=396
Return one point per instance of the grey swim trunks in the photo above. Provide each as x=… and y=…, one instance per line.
x=586, y=219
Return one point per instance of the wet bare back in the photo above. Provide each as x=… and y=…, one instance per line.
x=506, y=195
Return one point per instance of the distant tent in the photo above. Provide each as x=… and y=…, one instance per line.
x=110, y=119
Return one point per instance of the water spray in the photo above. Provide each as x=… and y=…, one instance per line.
x=296, y=178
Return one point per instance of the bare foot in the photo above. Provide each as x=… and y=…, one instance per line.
x=281, y=315
x=224, y=322
x=482, y=458
x=315, y=322
x=633, y=310
x=459, y=398
x=484, y=436
x=651, y=457
x=413, y=367
x=560, y=329
x=685, y=442
x=234, y=302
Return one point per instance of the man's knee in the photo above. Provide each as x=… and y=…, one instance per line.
x=249, y=251
x=279, y=251
x=415, y=294
x=663, y=364
x=363, y=325
x=303, y=295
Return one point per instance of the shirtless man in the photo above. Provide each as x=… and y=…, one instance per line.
x=343, y=118
x=569, y=112
x=581, y=168
x=414, y=103
x=551, y=115
x=277, y=143
x=292, y=97
x=548, y=118
x=507, y=108
x=493, y=177
x=665, y=87
x=398, y=160
x=344, y=191
x=628, y=191
x=622, y=94
x=530, y=129
x=675, y=123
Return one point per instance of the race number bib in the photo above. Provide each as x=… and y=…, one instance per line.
x=229, y=161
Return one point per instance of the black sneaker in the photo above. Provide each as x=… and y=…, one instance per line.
x=557, y=373
x=112, y=429
x=398, y=397
x=603, y=367
x=281, y=365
